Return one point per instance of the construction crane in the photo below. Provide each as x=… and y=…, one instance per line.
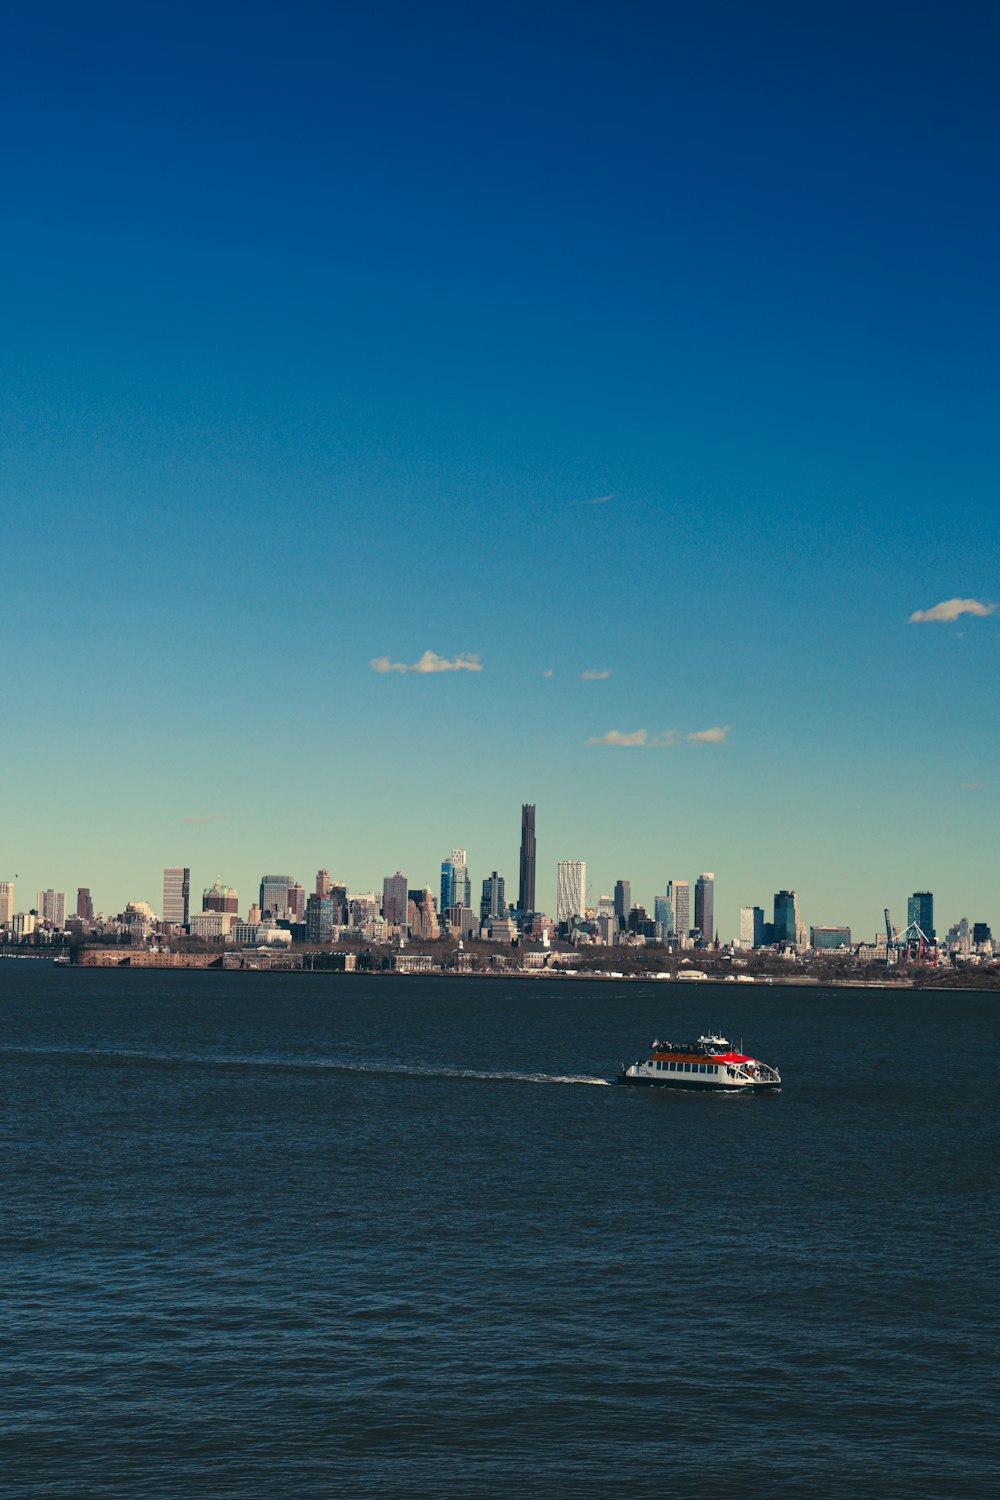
x=910, y=944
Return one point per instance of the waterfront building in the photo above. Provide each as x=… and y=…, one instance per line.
x=526, y=881
x=679, y=901
x=6, y=902
x=786, y=917
x=176, y=894
x=704, y=906
x=751, y=926
x=22, y=924
x=830, y=937
x=571, y=889
x=623, y=902
x=395, y=895
x=218, y=897
x=493, y=902
x=920, y=909
x=84, y=905
x=274, y=891
x=320, y=919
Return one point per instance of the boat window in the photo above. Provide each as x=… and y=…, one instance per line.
x=687, y=1067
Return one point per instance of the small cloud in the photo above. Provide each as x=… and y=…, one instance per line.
x=466, y=661
x=972, y=786
x=619, y=737
x=195, y=818
x=549, y=673
x=715, y=736
x=597, y=500
x=950, y=609
x=593, y=675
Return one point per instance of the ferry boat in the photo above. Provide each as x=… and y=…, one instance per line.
x=709, y=1063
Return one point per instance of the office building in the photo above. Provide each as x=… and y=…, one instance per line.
x=571, y=889
x=526, y=881
x=623, y=902
x=751, y=926
x=981, y=933
x=493, y=903
x=920, y=909
x=6, y=902
x=296, y=903
x=176, y=895
x=704, y=906
x=456, y=887
x=51, y=908
x=322, y=882
x=830, y=937
x=219, y=897
x=786, y=917
x=395, y=895
x=84, y=905
x=320, y=919
x=679, y=902
x=274, y=891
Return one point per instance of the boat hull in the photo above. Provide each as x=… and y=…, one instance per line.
x=733, y=1086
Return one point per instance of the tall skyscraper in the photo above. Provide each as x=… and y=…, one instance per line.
x=704, y=906
x=786, y=917
x=322, y=882
x=920, y=909
x=176, y=895
x=51, y=907
x=571, y=889
x=6, y=902
x=320, y=918
x=679, y=899
x=456, y=887
x=84, y=904
x=751, y=926
x=623, y=902
x=274, y=891
x=395, y=895
x=526, y=881
x=493, y=903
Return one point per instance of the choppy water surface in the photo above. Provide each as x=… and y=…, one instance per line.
x=324, y=1235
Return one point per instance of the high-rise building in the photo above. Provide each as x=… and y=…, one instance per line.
x=920, y=909
x=456, y=887
x=297, y=903
x=176, y=895
x=623, y=902
x=274, y=891
x=493, y=903
x=51, y=908
x=679, y=901
x=704, y=906
x=751, y=926
x=394, y=898
x=319, y=919
x=84, y=904
x=322, y=882
x=786, y=917
x=219, y=897
x=571, y=889
x=6, y=902
x=526, y=881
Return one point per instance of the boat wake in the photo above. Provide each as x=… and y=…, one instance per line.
x=292, y=1064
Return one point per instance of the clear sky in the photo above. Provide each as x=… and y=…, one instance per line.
x=652, y=341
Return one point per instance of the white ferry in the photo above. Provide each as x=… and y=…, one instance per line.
x=709, y=1063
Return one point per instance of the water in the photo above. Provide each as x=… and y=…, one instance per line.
x=313, y=1236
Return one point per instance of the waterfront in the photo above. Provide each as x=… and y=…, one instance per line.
x=309, y=1235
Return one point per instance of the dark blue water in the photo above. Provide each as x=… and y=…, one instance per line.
x=329, y=1236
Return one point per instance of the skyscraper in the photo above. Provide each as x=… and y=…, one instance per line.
x=751, y=926
x=679, y=898
x=704, y=906
x=176, y=895
x=84, y=905
x=526, y=882
x=395, y=895
x=322, y=882
x=456, y=887
x=51, y=908
x=493, y=903
x=786, y=917
x=6, y=902
x=920, y=909
x=274, y=891
x=219, y=897
x=571, y=889
x=623, y=902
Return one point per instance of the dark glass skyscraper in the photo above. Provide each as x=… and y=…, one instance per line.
x=526, y=884
x=623, y=902
x=920, y=909
x=704, y=906
x=786, y=916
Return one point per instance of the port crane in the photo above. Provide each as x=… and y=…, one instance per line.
x=910, y=945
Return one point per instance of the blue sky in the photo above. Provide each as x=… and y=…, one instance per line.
x=326, y=327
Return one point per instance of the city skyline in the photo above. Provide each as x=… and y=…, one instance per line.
x=679, y=368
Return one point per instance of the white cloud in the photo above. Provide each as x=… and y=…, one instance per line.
x=641, y=738
x=465, y=661
x=715, y=736
x=593, y=675
x=549, y=673
x=950, y=609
